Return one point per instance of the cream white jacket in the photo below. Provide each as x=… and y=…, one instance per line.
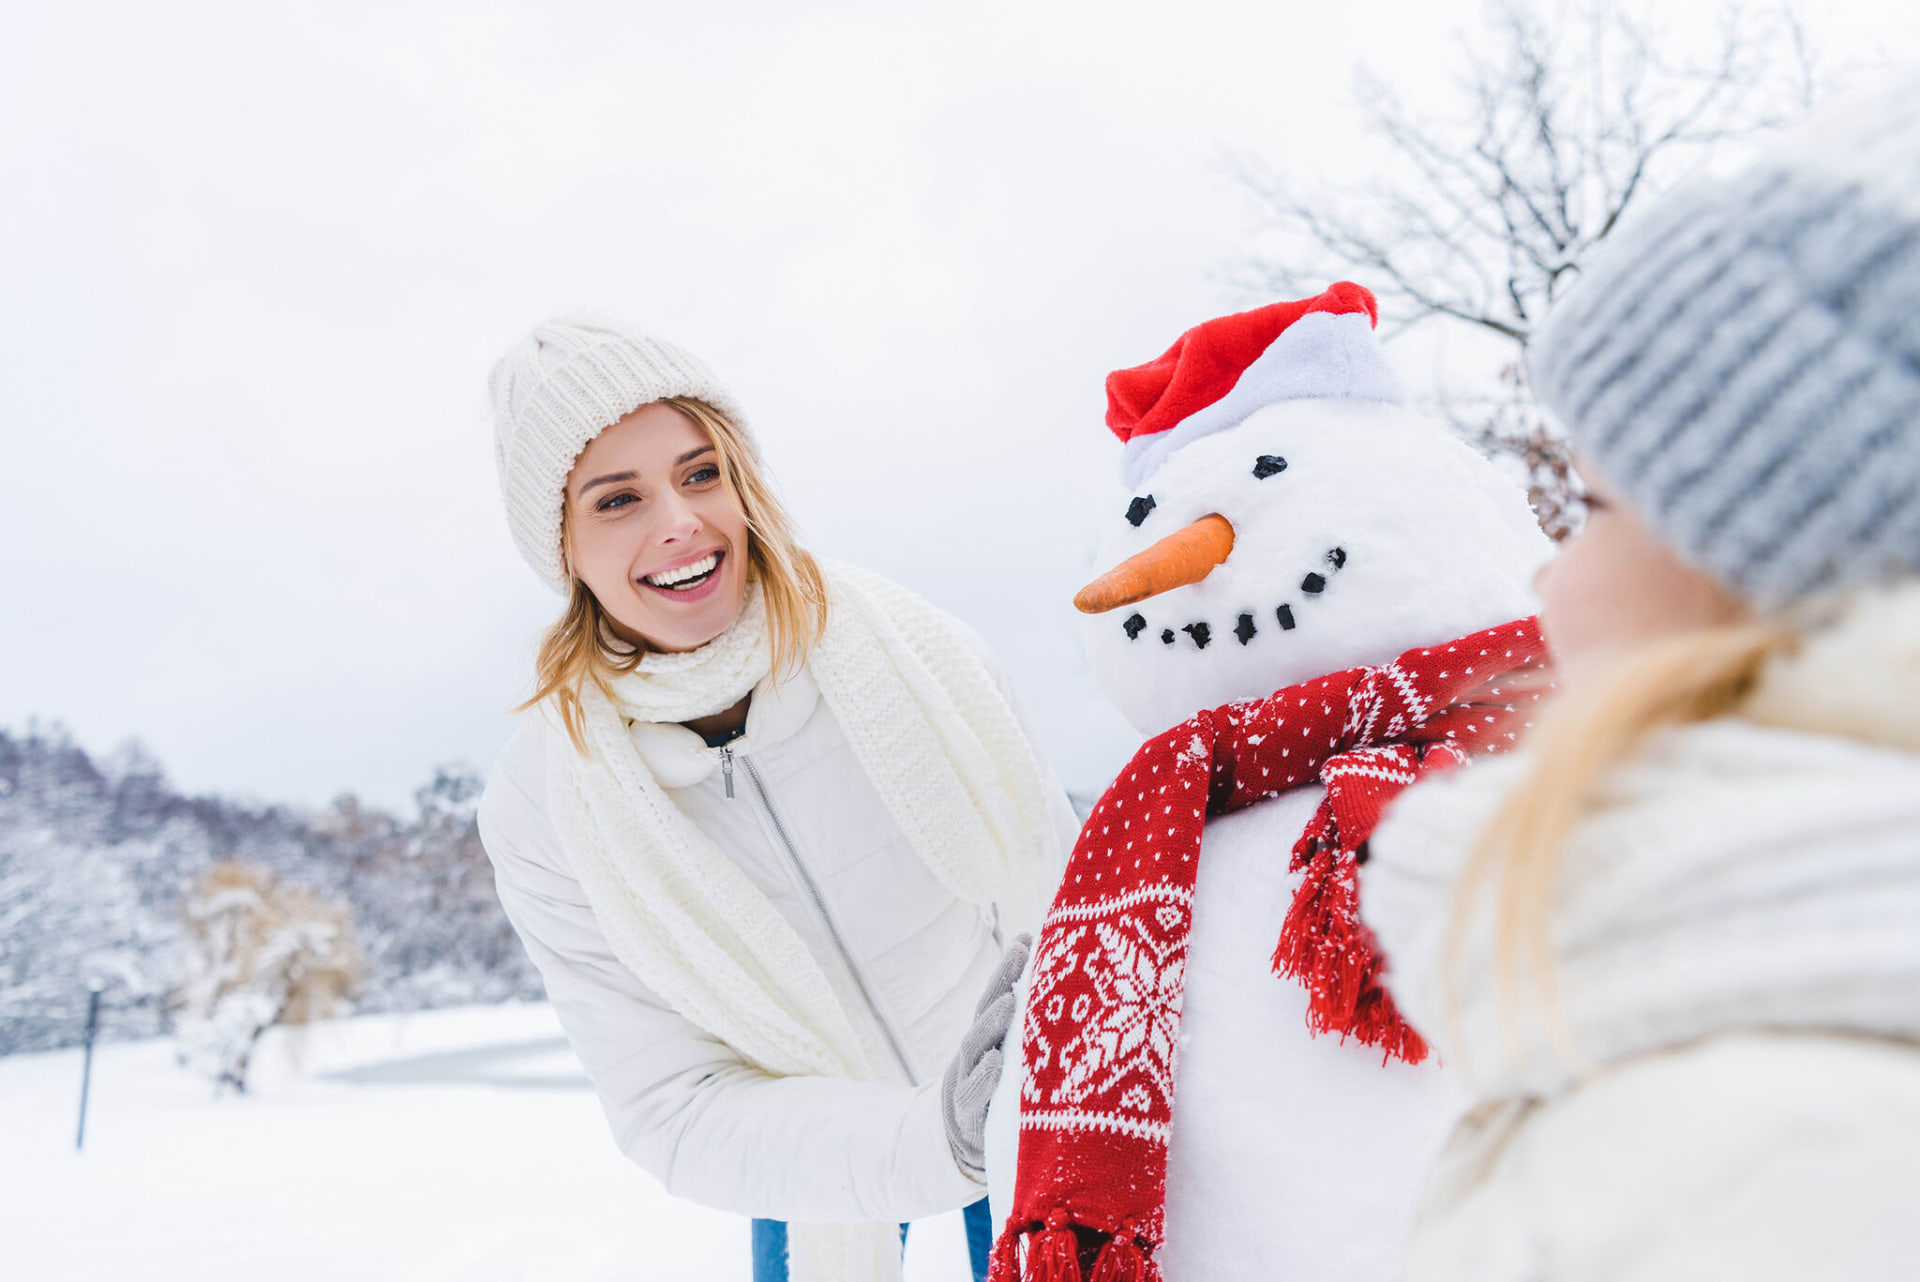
x=1737, y=951
x=907, y=960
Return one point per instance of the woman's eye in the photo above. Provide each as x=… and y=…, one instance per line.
x=612, y=502
x=704, y=475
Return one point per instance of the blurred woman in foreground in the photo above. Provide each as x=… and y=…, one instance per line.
x=1673, y=945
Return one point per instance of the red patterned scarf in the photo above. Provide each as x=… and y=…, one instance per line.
x=1103, y=1010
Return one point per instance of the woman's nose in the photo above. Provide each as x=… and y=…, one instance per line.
x=679, y=522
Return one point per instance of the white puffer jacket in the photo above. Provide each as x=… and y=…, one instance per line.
x=907, y=961
x=1736, y=942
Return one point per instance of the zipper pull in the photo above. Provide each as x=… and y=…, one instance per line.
x=726, y=769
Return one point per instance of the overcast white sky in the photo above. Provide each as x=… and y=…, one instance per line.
x=256, y=258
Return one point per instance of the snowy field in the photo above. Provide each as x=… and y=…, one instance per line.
x=446, y=1146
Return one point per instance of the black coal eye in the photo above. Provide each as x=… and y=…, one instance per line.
x=1138, y=509
x=1267, y=465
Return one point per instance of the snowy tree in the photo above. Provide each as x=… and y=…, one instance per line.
x=97, y=856
x=1567, y=119
x=258, y=954
x=73, y=909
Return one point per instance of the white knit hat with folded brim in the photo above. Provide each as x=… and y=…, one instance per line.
x=557, y=389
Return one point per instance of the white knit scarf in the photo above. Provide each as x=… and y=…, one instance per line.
x=1758, y=870
x=947, y=755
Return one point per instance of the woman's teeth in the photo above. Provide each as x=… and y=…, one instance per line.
x=686, y=577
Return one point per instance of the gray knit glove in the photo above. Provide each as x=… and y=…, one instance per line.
x=975, y=1071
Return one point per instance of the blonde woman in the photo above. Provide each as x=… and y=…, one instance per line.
x=1673, y=945
x=769, y=827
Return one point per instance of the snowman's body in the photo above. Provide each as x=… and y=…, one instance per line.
x=1361, y=531
x=1293, y=1157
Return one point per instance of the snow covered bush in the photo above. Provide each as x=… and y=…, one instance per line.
x=257, y=954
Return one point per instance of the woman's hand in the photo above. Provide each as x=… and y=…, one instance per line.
x=975, y=1071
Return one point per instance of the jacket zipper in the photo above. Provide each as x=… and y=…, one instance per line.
x=819, y=902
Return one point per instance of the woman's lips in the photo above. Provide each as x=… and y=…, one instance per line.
x=686, y=596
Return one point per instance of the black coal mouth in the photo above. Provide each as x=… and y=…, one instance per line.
x=1248, y=624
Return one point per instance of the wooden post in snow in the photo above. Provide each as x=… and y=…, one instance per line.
x=86, y=1064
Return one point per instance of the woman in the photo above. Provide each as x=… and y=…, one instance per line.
x=1673, y=945
x=767, y=826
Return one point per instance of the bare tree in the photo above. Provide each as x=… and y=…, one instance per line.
x=259, y=953
x=1565, y=121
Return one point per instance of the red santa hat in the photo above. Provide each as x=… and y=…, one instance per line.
x=1222, y=370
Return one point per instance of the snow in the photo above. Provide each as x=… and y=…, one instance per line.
x=458, y=1145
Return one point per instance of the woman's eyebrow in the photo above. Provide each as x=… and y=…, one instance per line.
x=609, y=479
x=690, y=455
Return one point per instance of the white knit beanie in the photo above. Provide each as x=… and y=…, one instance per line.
x=557, y=389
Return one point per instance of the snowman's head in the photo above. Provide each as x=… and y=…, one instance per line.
x=1358, y=530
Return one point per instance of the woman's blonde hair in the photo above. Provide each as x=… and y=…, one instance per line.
x=581, y=645
x=1694, y=676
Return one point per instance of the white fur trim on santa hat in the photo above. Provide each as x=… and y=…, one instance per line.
x=1323, y=355
x=557, y=389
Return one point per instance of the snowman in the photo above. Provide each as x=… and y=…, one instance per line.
x=1338, y=577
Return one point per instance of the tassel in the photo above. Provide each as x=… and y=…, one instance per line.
x=1327, y=948
x=1122, y=1260
x=1053, y=1254
x=1004, y=1265
x=1320, y=944
x=1378, y=1022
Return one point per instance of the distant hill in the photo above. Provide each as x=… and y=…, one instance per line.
x=96, y=854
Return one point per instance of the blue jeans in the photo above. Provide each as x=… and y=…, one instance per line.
x=770, y=1244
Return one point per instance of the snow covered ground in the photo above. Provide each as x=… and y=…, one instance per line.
x=447, y=1146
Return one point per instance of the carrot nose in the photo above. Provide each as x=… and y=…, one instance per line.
x=1183, y=557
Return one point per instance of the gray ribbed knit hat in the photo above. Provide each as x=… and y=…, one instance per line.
x=557, y=389
x=1743, y=363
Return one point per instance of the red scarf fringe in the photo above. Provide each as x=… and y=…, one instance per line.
x=1057, y=1251
x=1329, y=951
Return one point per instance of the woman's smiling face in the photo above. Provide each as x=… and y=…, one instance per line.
x=656, y=532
